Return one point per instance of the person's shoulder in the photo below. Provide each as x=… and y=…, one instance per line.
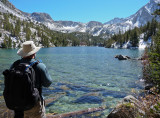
x=41, y=65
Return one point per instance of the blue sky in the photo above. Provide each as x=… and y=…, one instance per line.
x=81, y=10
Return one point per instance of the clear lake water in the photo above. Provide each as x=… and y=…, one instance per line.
x=84, y=77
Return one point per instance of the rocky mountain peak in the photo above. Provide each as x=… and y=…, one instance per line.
x=41, y=17
x=94, y=23
x=8, y=4
x=155, y=1
x=68, y=23
x=116, y=20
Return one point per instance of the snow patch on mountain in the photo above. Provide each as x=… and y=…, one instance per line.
x=127, y=45
x=143, y=44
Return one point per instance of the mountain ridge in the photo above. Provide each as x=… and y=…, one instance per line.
x=95, y=28
x=140, y=18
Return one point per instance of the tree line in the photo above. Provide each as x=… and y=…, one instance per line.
x=151, y=70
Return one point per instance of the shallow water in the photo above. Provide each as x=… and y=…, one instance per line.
x=84, y=77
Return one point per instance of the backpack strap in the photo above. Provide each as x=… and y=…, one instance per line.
x=34, y=64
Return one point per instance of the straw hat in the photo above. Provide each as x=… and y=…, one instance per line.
x=28, y=48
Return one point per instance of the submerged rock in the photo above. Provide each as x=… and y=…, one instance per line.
x=89, y=99
x=115, y=94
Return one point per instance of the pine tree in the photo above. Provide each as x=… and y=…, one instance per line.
x=28, y=32
x=5, y=42
x=17, y=28
x=14, y=45
x=6, y=23
x=4, y=1
x=9, y=42
x=135, y=39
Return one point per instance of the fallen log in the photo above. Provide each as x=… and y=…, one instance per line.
x=77, y=113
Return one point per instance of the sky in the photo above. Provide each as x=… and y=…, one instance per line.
x=81, y=10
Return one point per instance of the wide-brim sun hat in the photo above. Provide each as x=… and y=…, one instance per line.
x=28, y=48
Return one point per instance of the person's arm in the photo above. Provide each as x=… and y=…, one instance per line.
x=45, y=76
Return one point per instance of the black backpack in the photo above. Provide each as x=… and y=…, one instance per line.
x=20, y=92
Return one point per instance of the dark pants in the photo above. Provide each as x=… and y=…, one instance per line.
x=18, y=114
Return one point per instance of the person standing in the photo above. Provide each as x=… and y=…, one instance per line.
x=43, y=79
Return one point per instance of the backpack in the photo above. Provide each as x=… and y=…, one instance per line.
x=20, y=92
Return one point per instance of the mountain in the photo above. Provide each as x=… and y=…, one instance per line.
x=144, y=15
x=140, y=18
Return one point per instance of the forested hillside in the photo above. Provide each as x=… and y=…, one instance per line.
x=133, y=36
x=14, y=31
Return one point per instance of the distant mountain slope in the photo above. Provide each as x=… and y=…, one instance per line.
x=7, y=7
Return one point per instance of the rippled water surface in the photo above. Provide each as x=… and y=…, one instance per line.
x=84, y=77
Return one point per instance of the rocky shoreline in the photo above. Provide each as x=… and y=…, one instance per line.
x=147, y=106
x=143, y=107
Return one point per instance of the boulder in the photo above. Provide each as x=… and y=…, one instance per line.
x=129, y=107
x=122, y=57
x=148, y=86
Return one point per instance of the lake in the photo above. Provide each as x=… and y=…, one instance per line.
x=84, y=77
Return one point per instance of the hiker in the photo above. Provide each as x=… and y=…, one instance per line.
x=42, y=77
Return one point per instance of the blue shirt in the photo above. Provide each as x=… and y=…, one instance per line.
x=43, y=78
